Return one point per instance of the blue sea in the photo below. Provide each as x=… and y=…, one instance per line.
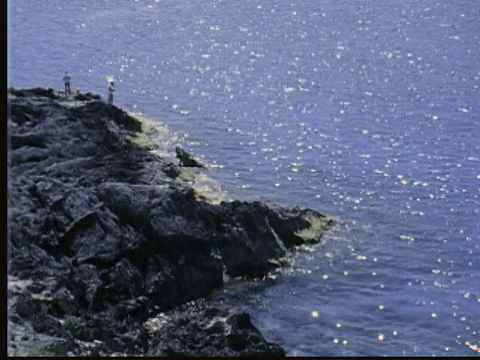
x=368, y=111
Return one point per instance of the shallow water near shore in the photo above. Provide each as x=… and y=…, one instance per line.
x=368, y=112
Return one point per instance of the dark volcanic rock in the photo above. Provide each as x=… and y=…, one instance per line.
x=104, y=234
x=186, y=159
x=210, y=332
x=86, y=97
x=49, y=93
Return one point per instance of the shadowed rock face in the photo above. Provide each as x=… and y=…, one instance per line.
x=103, y=237
x=186, y=159
x=211, y=331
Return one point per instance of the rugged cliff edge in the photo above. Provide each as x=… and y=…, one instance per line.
x=104, y=234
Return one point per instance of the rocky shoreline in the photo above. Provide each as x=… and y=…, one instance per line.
x=107, y=240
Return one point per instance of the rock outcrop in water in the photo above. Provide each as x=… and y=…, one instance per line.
x=104, y=235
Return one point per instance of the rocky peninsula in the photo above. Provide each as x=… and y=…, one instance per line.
x=109, y=242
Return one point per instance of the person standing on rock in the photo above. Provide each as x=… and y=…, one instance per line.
x=111, y=89
x=66, y=80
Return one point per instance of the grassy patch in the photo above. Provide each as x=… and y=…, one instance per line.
x=318, y=224
x=70, y=321
x=142, y=138
x=186, y=176
x=40, y=352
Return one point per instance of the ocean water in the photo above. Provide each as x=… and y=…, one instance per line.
x=365, y=110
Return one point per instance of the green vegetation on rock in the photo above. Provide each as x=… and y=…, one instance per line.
x=143, y=138
x=318, y=224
